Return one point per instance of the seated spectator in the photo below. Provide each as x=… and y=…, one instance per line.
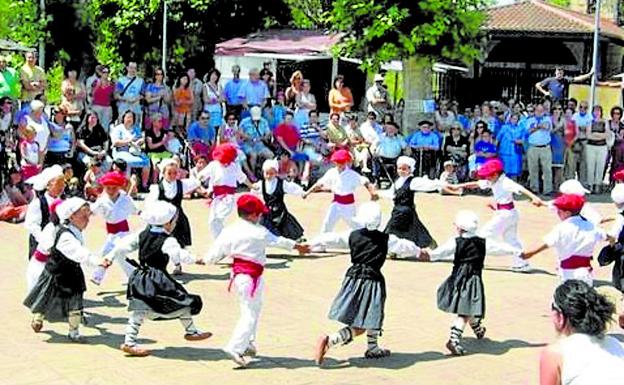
x=61, y=139
x=388, y=149
x=359, y=146
x=201, y=135
x=230, y=133
x=456, y=148
x=314, y=139
x=424, y=145
x=127, y=142
x=484, y=148
x=92, y=189
x=156, y=140
x=449, y=177
x=92, y=142
x=336, y=134
x=201, y=161
x=287, y=137
x=14, y=198
x=71, y=182
x=288, y=169
x=370, y=129
x=256, y=137
x=276, y=113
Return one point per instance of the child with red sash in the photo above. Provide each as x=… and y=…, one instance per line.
x=223, y=174
x=574, y=240
x=115, y=206
x=504, y=224
x=342, y=181
x=245, y=241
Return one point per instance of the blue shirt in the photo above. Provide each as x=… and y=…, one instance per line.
x=485, y=147
x=255, y=130
x=390, y=146
x=60, y=138
x=420, y=139
x=541, y=137
x=231, y=90
x=555, y=86
x=253, y=92
x=464, y=121
x=197, y=132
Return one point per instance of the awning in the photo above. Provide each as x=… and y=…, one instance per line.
x=9, y=45
x=280, y=42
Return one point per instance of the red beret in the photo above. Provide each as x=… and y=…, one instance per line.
x=225, y=153
x=250, y=204
x=569, y=202
x=490, y=167
x=113, y=178
x=618, y=176
x=341, y=156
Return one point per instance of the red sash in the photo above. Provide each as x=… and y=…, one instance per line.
x=344, y=199
x=505, y=206
x=119, y=227
x=576, y=262
x=39, y=256
x=252, y=269
x=223, y=190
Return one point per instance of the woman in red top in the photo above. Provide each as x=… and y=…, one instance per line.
x=570, y=134
x=288, y=137
x=102, y=100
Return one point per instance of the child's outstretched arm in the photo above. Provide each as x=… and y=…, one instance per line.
x=535, y=200
x=532, y=252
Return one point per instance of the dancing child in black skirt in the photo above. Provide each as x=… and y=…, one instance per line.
x=463, y=293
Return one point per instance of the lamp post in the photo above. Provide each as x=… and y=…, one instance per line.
x=594, y=78
x=164, y=39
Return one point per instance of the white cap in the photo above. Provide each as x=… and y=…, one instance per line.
x=406, y=160
x=69, y=207
x=369, y=215
x=165, y=163
x=41, y=180
x=36, y=105
x=617, y=194
x=270, y=164
x=378, y=78
x=157, y=213
x=467, y=221
x=574, y=187
x=255, y=112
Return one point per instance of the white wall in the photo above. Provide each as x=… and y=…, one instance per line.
x=225, y=63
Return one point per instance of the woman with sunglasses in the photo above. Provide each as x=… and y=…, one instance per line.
x=158, y=98
x=614, y=126
x=557, y=144
x=583, y=354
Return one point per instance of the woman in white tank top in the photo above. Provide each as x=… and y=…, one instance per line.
x=584, y=355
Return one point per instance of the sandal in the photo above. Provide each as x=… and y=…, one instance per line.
x=197, y=336
x=455, y=348
x=377, y=353
x=134, y=350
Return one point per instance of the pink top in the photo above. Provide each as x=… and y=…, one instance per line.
x=102, y=95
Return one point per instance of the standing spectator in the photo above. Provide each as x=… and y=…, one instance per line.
x=127, y=142
x=444, y=118
x=39, y=122
x=276, y=113
x=92, y=142
x=61, y=141
x=72, y=107
x=509, y=140
x=9, y=80
x=583, y=121
x=336, y=134
x=557, y=144
x=231, y=93
x=201, y=135
x=465, y=119
x=158, y=98
x=33, y=79
x=267, y=76
x=196, y=86
x=377, y=97
x=484, y=148
x=129, y=92
x=570, y=134
x=292, y=92
x=617, y=153
x=596, y=151
x=555, y=87
x=304, y=103
x=71, y=81
x=613, y=128
x=91, y=81
x=102, y=98
x=212, y=96
x=539, y=153
x=314, y=139
x=340, y=97
x=424, y=145
x=256, y=137
x=456, y=148
x=253, y=92
x=183, y=102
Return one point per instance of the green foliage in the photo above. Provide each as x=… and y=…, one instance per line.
x=382, y=30
x=394, y=81
x=309, y=14
x=20, y=22
x=55, y=77
x=560, y=3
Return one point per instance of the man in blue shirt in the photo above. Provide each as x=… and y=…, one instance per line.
x=231, y=91
x=201, y=135
x=424, y=146
x=539, y=152
x=253, y=92
x=256, y=136
x=555, y=86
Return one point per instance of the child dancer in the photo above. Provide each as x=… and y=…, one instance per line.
x=59, y=290
x=246, y=241
x=37, y=263
x=223, y=175
x=504, y=224
x=614, y=252
x=278, y=220
x=404, y=221
x=573, y=186
x=48, y=186
x=574, y=240
x=360, y=301
x=171, y=189
x=342, y=181
x=152, y=292
x=115, y=206
x=463, y=293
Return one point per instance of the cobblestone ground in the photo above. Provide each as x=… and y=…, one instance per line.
x=299, y=291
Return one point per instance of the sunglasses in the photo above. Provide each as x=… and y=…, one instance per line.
x=203, y=118
x=582, y=107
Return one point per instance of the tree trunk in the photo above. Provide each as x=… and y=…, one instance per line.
x=417, y=90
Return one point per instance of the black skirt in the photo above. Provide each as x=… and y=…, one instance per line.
x=462, y=293
x=283, y=224
x=182, y=231
x=360, y=303
x=47, y=298
x=157, y=290
x=404, y=223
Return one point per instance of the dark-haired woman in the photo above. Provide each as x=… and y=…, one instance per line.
x=583, y=355
x=212, y=96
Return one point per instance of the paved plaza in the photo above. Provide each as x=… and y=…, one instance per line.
x=299, y=291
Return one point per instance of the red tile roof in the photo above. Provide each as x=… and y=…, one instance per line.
x=538, y=16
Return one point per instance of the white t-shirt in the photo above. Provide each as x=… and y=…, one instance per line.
x=503, y=189
x=342, y=183
x=588, y=360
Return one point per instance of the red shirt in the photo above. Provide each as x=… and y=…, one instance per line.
x=103, y=95
x=570, y=132
x=288, y=133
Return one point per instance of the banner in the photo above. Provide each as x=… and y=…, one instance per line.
x=607, y=97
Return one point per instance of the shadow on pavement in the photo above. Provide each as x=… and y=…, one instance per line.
x=186, y=353
x=534, y=271
x=188, y=277
x=105, y=338
x=292, y=257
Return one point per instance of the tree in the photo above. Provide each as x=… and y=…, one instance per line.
x=20, y=22
x=416, y=32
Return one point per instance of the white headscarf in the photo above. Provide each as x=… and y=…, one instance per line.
x=406, y=160
x=574, y=187
x=617, y=194
x=41, y=180
x=158, y=213
x=467, y=221
x=369, y=215
x=68, y=207
x=165, y=163
x=270, y=164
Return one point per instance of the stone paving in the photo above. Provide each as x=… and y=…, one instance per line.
x=299, y=291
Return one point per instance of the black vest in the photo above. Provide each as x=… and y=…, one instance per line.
x=68, y=274
x=150, y=249
x=368, y=253
x=45, y=209
x=177, y=199
x=275, y=201
x=404, y=196
x=470, y=251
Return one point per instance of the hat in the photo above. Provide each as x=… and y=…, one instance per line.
x=427, y=122
x=41, y=180
x=369, y=215
x=406, y=160
x=250, y=204
x=113, y=178
x=573, y=186
x=378, y=78
x=569, y=202
x=467, y=221
x=617, y=194
x=68, y=207
x=166, y=163
x=618, y=176
x=270, y=164
x=255, y=112
x=158, y=213
x=225, y=153
x=341, y=157
x=36, y=105
x=490, y=167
